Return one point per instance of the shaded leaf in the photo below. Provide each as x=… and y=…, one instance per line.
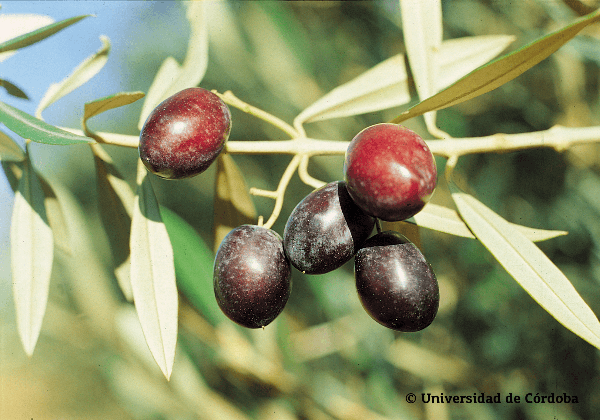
x=32, y=252
x=458, y=57
x=29, y=127
x=12, y=25
x=9, y=150
x=193, y=265
x=153, y=276
x=98, y=106
x=13, y=89
x=39, y=34
x=115, y=204
x=500, y=71
x=233, y=204
x=530, y=267
x=171, y=77
x=443, y=219
x=383, y=86
x=422, y=31
x=82, y=73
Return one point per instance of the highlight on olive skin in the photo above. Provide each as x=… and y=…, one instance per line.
x=251, y=276
x=184, y=134
x=395, y=284
x=325, y=230
x=390, y=172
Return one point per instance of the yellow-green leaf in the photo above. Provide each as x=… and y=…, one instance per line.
x=98, y=106
x=12, y=25
x=500, y=71
x=443, y=219
x=233, y=204
x=32, y=251
x=530, y=267
x=171, y=77
x=153, y=275
x=383, y=86
x=9, y=150
x=457, y=57
x=82, y=73
x=115, y=204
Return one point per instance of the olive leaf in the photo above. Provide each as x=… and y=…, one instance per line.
x=499, y=71
x=422, y=30
x=32, y=253
x=87, y=69
x=233, y=204
x=530, y=267
x=38, y=34
x=382, y=86
x=444, y=219
x=153, y=275
x=98, y=106
x=193, y=265
x=9, y=150
x=115, y=203
x=13, y=89
x=15, y=24
x=171, y=77
x=29, y=127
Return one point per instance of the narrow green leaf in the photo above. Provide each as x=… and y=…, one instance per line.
x=29, y=127
x=171, y=77
x=98, y=106
x=500, y=71
x=32, y=251
x=193, y=265
x=9, y=150
x=530, y=267
x=115, y=204
x=13, y=89
x=87, y=69
x=39, y=34
x=443, y=219
x=382, y=86
x=15, y=24
x=153, y=276
x=457, y=57
x=233, y=204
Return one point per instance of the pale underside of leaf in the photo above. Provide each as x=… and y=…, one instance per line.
x=171, y=77
x=530, y=267
x=32, y=251
x=9, y=150
x=153, y=277
x=80, y=75
x=381, y=87
x=115, y=202
x=13, y=25
x=444, y=219
x=500, y=71
x=422, y=31
x=233, y=204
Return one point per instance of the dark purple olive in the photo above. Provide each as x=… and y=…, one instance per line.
x=395, y=284
x=184, y=134
x=325, y=230
x=252, y=276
